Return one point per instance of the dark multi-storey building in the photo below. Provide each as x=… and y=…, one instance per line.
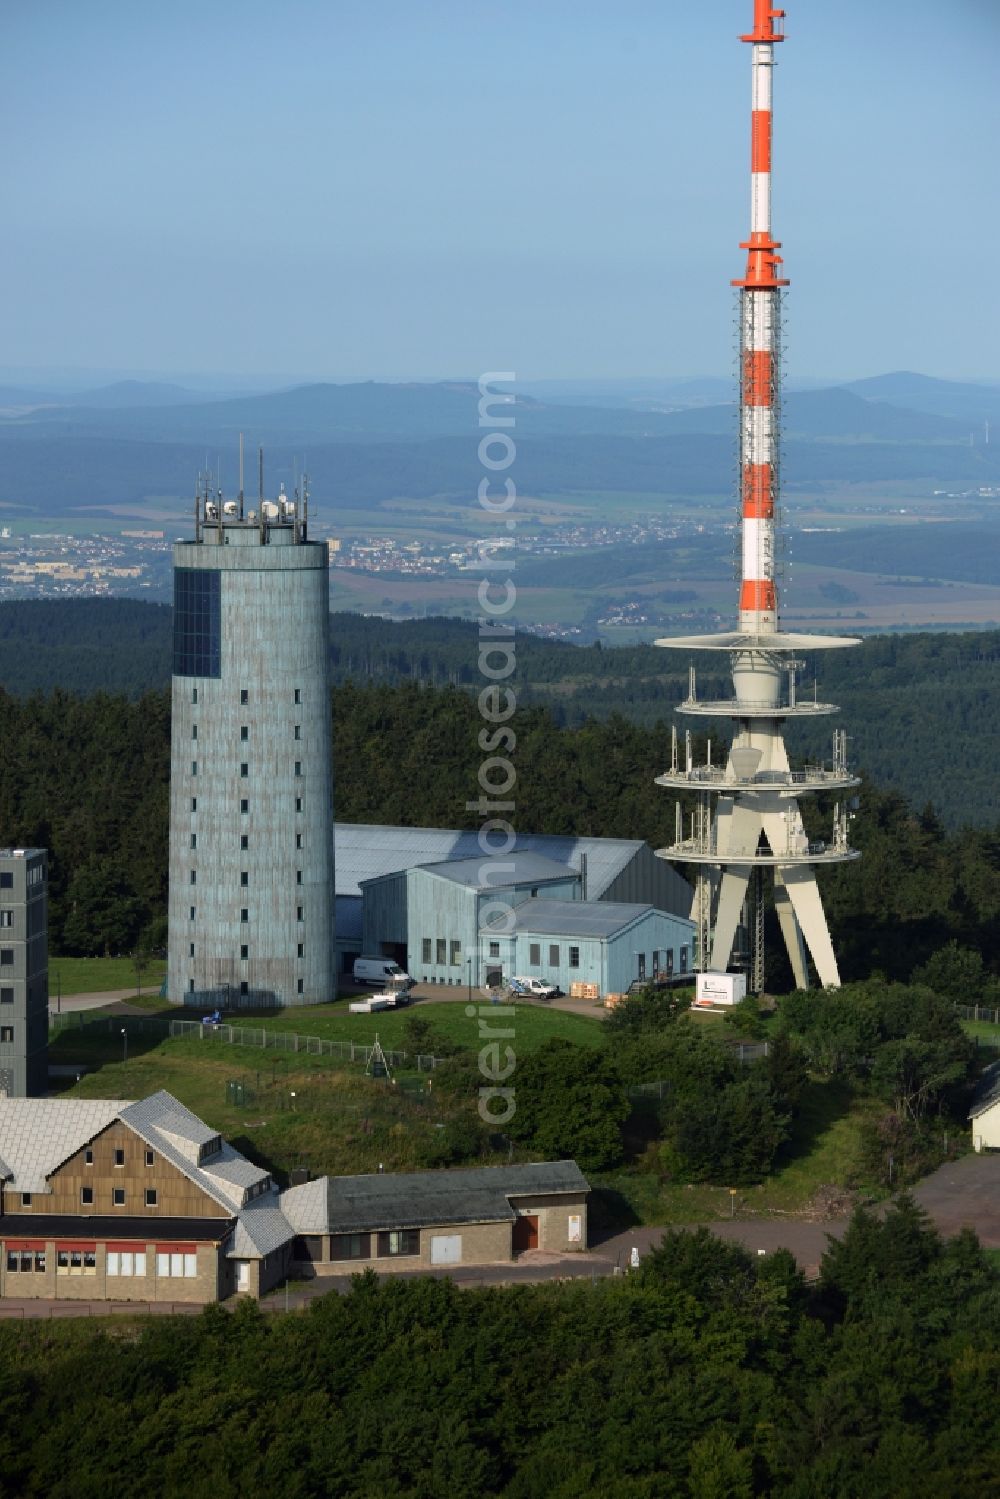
x=24, y=972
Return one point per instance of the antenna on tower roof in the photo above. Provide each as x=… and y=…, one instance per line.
x=241, y=476
x=260, y=475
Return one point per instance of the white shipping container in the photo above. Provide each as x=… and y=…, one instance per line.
x=720, y=988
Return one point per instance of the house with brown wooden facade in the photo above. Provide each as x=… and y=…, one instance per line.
x=103, y=1199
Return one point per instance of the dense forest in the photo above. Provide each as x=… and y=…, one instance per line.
x=87, y=777
x=706, y=1374
x=911, y=703
x=898, y=1051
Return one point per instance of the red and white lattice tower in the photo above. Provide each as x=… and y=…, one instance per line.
x=746, y=817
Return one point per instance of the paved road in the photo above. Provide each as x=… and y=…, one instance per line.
x=67, y=1003
x=963, y=1192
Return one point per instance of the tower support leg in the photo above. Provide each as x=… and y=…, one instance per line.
x=732, y=892
x=803, y=892
x=791, y=932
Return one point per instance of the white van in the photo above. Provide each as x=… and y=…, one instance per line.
x=382, y=972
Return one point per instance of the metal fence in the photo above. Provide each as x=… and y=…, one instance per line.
x=979, y=1012
x=257, y=1037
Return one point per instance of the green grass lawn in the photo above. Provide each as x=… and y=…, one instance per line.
x=986, y=1036
x=93, y=975
x=532, y=1024
x=298, y=1110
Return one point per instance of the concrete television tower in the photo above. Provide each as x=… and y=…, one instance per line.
x=747, y=817
x=250, y=913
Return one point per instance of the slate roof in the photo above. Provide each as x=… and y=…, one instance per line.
x=987, y=1092
x=519, y=867
x=169, y=1127
x=352, y=1204
x=576, y=918
x=260, y=1229
x=38, y=1134
x=364, y=851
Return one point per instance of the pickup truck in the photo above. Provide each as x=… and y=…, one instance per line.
x=534, y=988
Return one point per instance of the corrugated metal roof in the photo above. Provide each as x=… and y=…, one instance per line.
x=576, y=918
x=38, y=1134
x=365, y=850
x=987, y=1091
x=519, y=867
x=357, y=1204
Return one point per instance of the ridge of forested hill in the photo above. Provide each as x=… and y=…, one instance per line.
x=87, y=778
x=922, y=711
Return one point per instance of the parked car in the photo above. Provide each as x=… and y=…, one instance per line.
x=532, y=988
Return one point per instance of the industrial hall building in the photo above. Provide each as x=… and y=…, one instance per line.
x=602, y=911
x=107, y=1200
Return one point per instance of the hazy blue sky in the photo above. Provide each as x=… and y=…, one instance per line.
x=427, y=187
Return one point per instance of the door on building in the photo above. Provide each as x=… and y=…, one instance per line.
x=525, y=1234
x=242, y=1275
x=446, y=1249
x=494, y=978
x=642, y=965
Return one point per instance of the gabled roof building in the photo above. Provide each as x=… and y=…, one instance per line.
x=104, y=1199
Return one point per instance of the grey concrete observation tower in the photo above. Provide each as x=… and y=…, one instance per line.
x=251, y=815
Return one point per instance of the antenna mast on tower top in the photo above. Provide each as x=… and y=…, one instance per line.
x=748, y=817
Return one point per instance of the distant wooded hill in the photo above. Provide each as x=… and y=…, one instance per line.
x=922, y=711
x=370, y=443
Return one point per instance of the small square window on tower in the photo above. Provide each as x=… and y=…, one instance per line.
x=244, y=695
x=244, y=953
x=244, y=878
x=244, y=770
x=298, y=731
x=244, y=806
x=298, y=986
x=298, y=804
x=244, y=840
x=244, y=732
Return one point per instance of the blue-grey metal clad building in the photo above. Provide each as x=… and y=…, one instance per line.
x=608, y=943
x=603, y=869
x=251, y=848
x=481, y=921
